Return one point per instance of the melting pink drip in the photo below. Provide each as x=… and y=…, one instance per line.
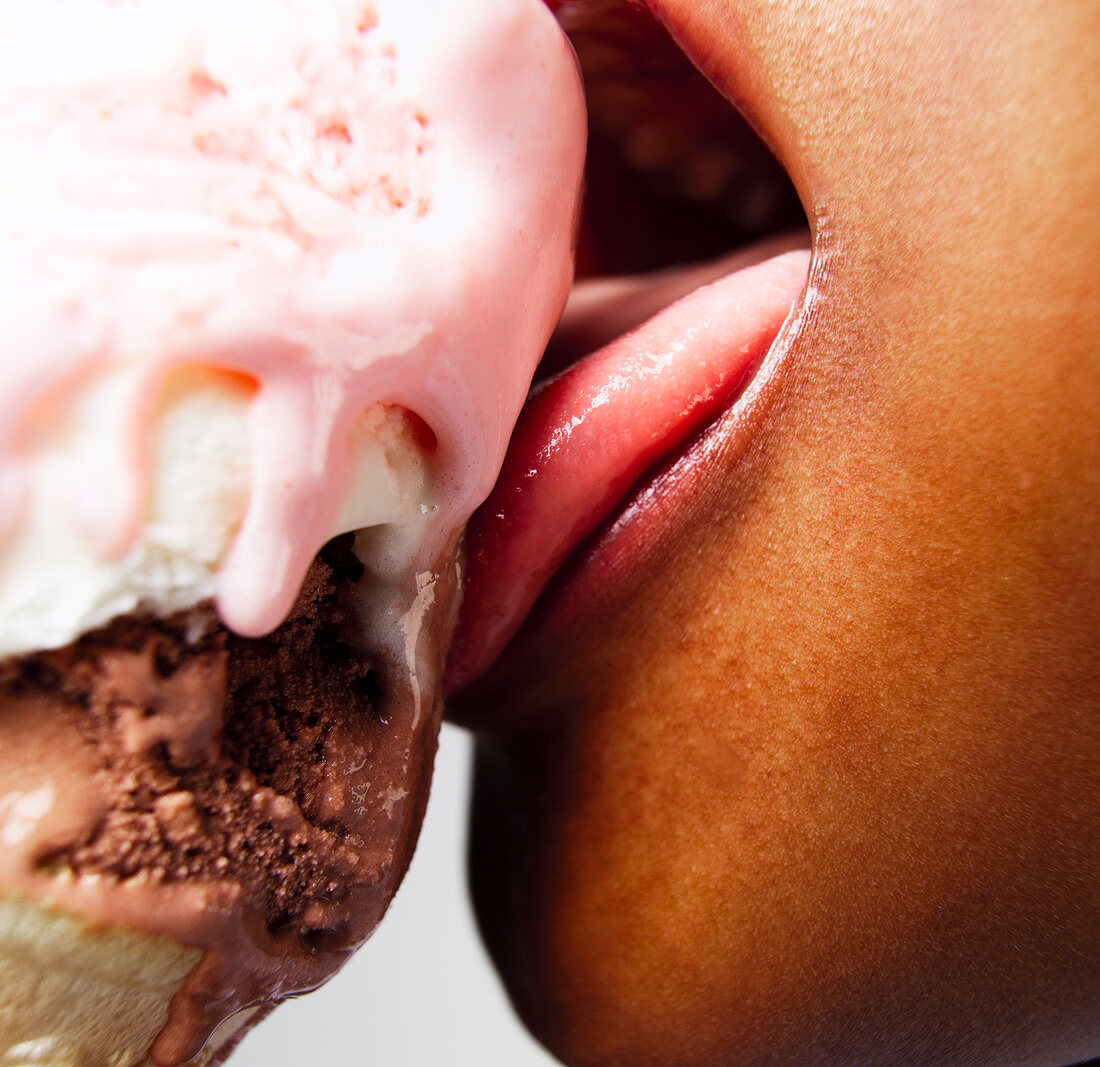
x=263, y=260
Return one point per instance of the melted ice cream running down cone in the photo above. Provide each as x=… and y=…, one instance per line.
x=271, y=273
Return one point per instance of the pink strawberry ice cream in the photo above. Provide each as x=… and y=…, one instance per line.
x=271, y=273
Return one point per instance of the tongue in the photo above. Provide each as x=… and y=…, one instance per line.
x=587, y=436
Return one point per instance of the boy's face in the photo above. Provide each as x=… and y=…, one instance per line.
x=800, y=763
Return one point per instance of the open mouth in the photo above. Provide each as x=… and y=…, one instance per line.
x=692, y=253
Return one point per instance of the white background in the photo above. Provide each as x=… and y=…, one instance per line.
x=421, y=992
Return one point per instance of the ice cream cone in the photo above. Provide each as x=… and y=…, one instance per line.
x=75, y=996
x=72, y=995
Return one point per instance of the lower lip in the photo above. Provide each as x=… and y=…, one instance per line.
x=580, y=472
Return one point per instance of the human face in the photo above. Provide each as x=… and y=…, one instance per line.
x=796, y=759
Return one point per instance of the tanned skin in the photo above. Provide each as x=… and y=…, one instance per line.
x=813, y=779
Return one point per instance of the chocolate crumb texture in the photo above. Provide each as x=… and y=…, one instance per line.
x=219, y=758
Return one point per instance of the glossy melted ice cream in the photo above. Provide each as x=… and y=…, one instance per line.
x=271, y=272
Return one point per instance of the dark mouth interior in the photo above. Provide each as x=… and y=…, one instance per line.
x=675, y=174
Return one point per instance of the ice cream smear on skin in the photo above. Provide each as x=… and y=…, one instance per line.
x=270, y=272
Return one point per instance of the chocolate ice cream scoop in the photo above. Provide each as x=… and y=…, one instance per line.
x=258, y=797
x=275, y=277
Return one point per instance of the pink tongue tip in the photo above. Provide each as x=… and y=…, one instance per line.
x=587, y=436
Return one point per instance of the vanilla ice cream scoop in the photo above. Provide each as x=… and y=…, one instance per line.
x=271, y=272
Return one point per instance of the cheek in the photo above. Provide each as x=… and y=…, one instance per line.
x=815, y=782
